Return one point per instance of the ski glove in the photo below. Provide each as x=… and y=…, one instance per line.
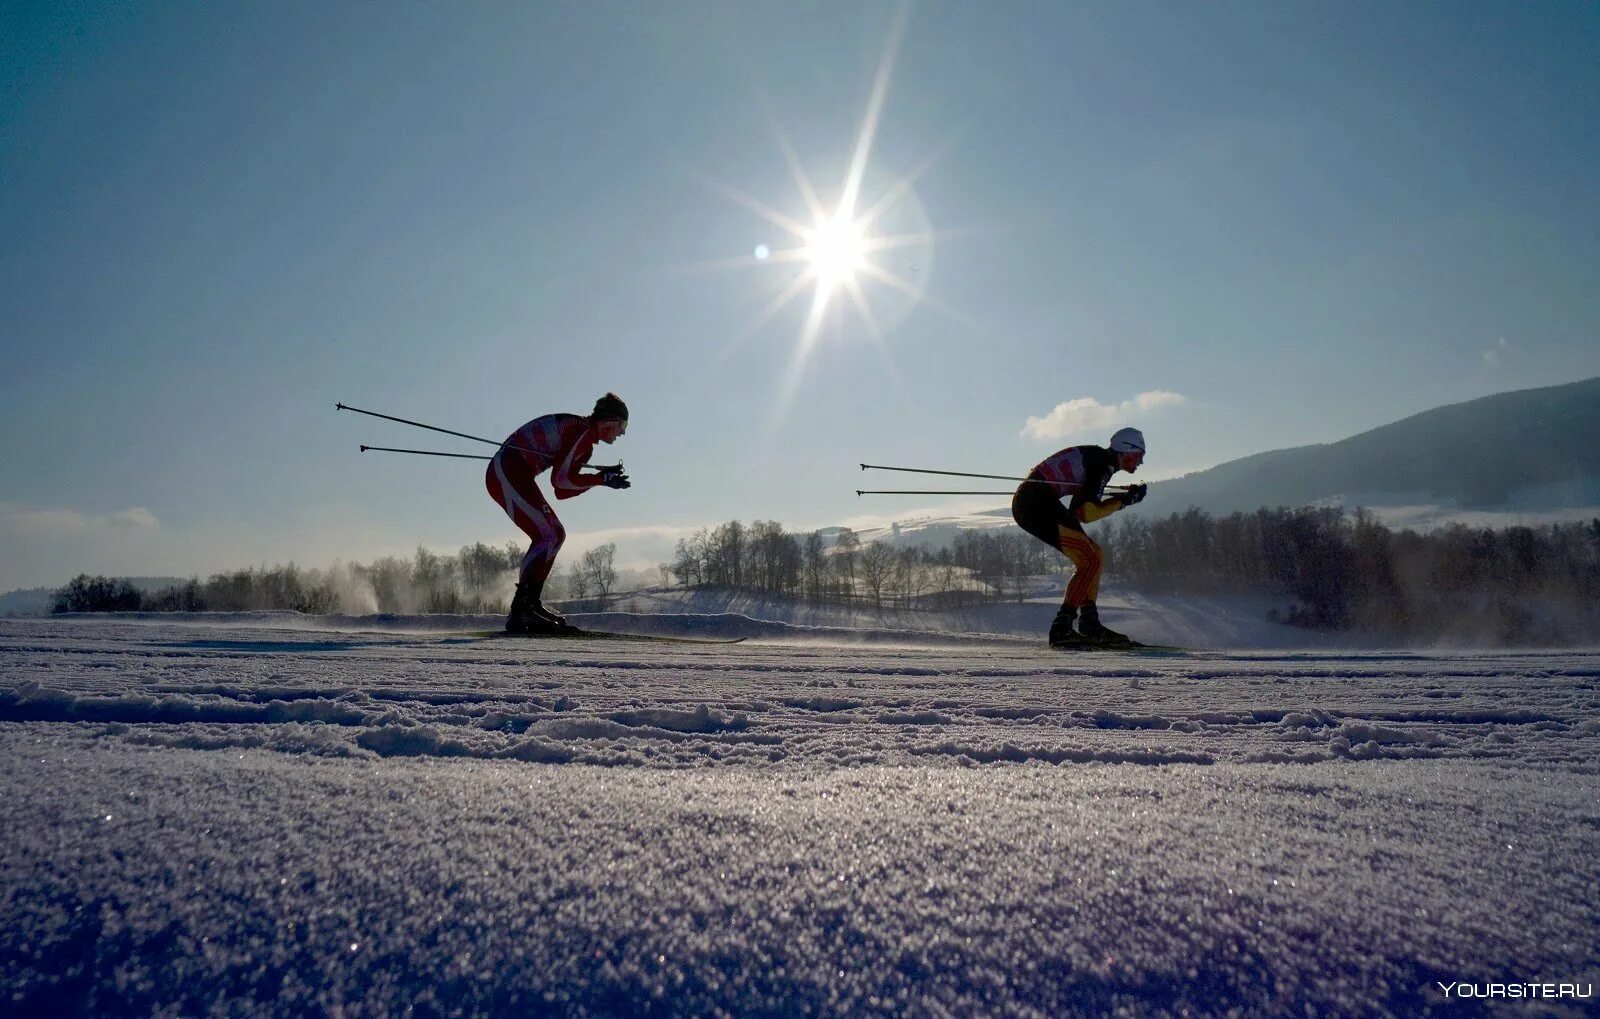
x=612, y=477
x=1134, y=495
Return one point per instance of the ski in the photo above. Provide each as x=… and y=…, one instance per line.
x=573, y=633
x=1123, y=646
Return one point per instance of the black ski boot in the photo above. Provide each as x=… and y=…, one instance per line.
x=525, y=617
x=544, y=613
x=1091, y=628
x=1061, y=633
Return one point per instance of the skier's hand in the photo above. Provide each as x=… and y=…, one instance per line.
x=612, y=477
x=1134, y=495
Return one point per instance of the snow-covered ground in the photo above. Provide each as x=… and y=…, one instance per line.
x=1193, y=622
x=264, y=814
x=1573, y=501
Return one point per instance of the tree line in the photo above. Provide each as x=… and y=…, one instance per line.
x=837, y=566
x=1326, y=568
x=477, y=579
x=1338, y=570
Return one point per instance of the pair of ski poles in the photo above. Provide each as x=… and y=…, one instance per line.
x=859, y=491
x=431, y=428
x=958, y=474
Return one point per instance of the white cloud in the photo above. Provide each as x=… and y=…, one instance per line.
x=46, y=545
x=59, y=521
x=138, y=518
x=1088, y=414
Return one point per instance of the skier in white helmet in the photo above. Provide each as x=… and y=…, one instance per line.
x=1079, y=473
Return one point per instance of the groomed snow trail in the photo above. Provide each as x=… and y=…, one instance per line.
x=238, y=817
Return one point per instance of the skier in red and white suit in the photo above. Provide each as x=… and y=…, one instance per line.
x=562, y=444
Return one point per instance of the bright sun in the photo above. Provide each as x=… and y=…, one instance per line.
x=836, y=250
x=845, y=247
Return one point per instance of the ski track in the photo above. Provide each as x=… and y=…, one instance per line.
x=240, y=817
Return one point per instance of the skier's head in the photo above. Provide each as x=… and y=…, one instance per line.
x=1128, y=445
x=610, y=417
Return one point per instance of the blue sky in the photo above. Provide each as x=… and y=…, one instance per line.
x=1251, y=225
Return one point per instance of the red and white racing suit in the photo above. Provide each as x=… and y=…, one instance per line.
x=560, y=443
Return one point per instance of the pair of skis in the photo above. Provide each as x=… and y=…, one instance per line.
x=574, y=633
x=1130, y=646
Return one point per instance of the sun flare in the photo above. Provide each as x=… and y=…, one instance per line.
x=835, y=250
x=864, y=249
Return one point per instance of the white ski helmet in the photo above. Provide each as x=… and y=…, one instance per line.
x=1127, y=440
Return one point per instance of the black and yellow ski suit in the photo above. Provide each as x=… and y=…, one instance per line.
x=1081, y=472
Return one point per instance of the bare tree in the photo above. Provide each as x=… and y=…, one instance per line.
x=844, y=552
x=877, y=564
x=599, y=570
x=578, y=582
x=727, y=554
x=816, y=565
x=482, y=568
x=688, y=559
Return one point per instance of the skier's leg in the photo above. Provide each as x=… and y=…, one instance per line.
x=511, y=484
x=1088, y=561
x=1038, y=511
x=555, y=537
x=539, y=522
x=1087, y=557
x=1085, y=586
x=521, y=618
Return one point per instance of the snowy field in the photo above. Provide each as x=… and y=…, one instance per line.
x=245, y=815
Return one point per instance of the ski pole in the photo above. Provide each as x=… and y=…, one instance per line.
x=953, y=474
x=431, y=428
x=427, y=452
x=965, y=474
x=416, y=424
x=915, y=491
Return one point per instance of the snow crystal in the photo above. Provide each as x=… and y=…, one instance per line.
x=257, y=817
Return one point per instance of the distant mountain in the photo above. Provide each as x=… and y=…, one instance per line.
x=1529, y=451
x=1528, y=456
